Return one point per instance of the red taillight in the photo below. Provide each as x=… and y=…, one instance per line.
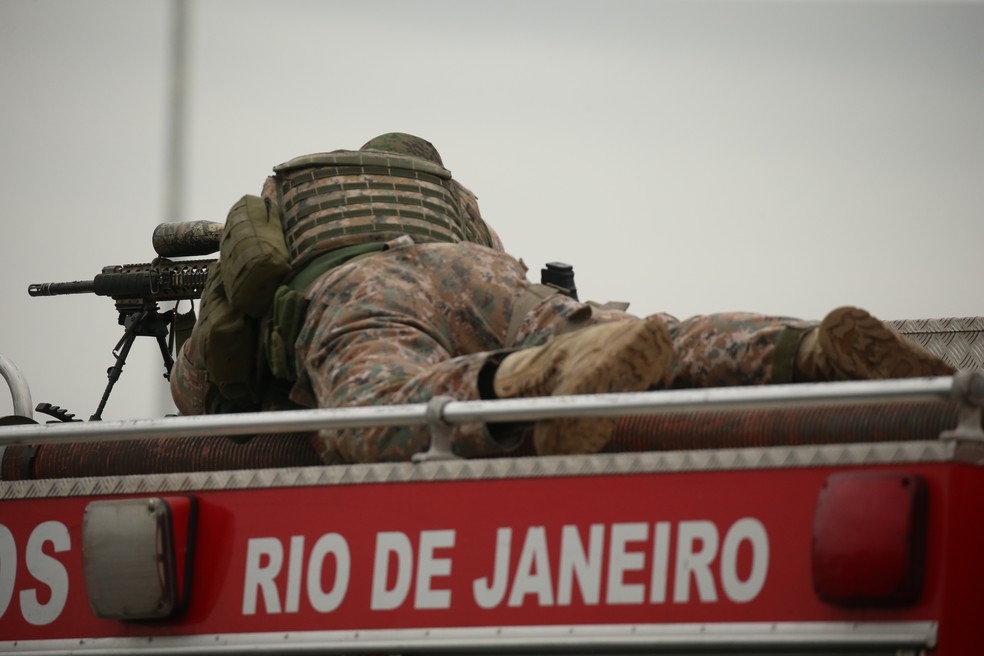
x=869, y=536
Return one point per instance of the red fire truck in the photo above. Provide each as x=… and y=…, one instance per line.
x=800, y=519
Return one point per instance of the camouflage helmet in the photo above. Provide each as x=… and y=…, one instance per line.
x=402, y=143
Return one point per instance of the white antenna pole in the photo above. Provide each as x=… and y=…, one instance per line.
x=174, y=171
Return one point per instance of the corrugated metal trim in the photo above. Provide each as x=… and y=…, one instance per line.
x=947, y=325
x=959, y=341
x=506, y=468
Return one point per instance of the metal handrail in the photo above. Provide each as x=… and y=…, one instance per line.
x=20, y=391
x=966, y=387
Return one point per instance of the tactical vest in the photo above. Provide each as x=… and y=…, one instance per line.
x=331, y=200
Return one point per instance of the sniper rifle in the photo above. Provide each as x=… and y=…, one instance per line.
x=138, y=288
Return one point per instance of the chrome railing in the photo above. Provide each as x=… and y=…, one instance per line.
x=441, y=413
x=19, y=389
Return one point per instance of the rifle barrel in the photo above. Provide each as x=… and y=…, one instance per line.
x=117, y=285
x=59, y=288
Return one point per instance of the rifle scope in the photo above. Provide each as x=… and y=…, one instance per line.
x=187, y=238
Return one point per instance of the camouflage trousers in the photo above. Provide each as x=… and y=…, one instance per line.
x=418, y=321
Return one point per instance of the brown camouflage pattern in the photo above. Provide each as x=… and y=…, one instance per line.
x=483, y=232
x=728, y=348
x=189, y=380
x=421, y=320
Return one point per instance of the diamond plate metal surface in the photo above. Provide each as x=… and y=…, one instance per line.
x=508, y=468
x=959, y=341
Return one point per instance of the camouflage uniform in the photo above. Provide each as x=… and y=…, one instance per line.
x=420, y=320
x=425, y=314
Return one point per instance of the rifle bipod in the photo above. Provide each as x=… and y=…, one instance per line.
x=137, y=320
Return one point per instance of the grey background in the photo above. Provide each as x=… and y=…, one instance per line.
x=689, y=157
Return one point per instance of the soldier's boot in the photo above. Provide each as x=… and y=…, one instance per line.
x=850, y=344
x=621, y=356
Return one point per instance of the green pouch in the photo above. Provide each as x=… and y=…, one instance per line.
x=226, y=340
x=230, y=347
x=254, y=255
x=289, y=310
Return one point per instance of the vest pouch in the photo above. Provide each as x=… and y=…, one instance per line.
x=225, y=341
x=230, y=352
x=289, y=310
x=253, y=254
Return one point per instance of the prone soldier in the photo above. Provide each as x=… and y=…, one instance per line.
x=370, y=277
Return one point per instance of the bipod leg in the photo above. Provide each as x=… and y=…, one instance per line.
x=166, y=354
x=114, y=372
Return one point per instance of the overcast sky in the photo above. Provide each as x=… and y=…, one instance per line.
x=689, y=157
